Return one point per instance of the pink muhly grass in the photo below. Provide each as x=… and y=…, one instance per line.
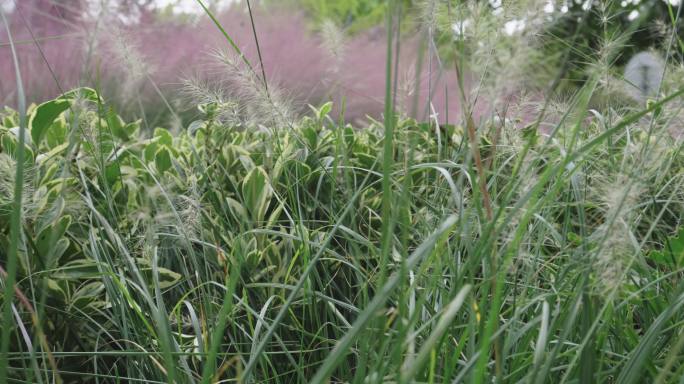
x=58, y=31
x=294, y=59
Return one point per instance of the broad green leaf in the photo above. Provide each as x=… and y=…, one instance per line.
x=325, y=110
x=162, y=159
x=150, y=150
x=676, y=246
x=237, y=209
x=44, y=115
x=83, y=93
x=167, y=277
x=77, y=269
x=58, y=251
x=51, y=215
x=54, y=152
x=50, y=173
x=311, y=137
x=117, y=125
x=56, y=135
x=672, y=253
x=50, y=236
x=164, y=137
x=86, y=294
x=10, y=144
x=256, y=193
x=130, y=129
x=55, y=290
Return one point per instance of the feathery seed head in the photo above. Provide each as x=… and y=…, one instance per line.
x=616, y=244
x=333, y=41
x=428, y=15
x=502, y=46
x=129, y=57
x=270, y=107
x=201, y=92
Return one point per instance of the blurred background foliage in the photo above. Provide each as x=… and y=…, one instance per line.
x=590, y=26
x=354, y=15
x=638, y=25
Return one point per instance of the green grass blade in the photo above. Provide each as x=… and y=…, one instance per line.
x=369, y=312
x=225, y=34
x=15, y=220
x=410, y=370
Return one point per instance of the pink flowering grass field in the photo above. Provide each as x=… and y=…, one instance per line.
x=129, y=60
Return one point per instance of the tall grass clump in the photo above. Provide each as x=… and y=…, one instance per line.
x=533, y=232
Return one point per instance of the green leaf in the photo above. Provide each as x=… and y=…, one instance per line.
x=162, y=159
x=150, y=151
x=87, y=294
x=676, y=246
x=349, y=136
x=50, y=173
x=132, y=128
x=574, y=238
x=10, y=120
x=10, y=144
x=531, y=133
x=300, y=170
x=83, y=93
x=237, y=210
x=325, y=110
x=55, y=290
x=164, y=137
x=77, y=269
x=167, y=277
x=55, y=211
x=311, y=136
x=195, y=126
x=672, y=254
x=54, y=151
x=44, y=115
x=56, y=135
x=116, y=124
x=660, y=258
x=256, y=192
x=112, y=173
x=51, y=243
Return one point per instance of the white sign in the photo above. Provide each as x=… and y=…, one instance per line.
x=643, y=73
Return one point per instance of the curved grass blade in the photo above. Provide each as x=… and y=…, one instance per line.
x=15, y=220
x=384, y=293
x=411, y=369
x=225, y=34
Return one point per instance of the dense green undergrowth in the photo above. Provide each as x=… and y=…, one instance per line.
x=225, y=253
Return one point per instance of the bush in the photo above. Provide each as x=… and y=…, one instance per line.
x=161, y=252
